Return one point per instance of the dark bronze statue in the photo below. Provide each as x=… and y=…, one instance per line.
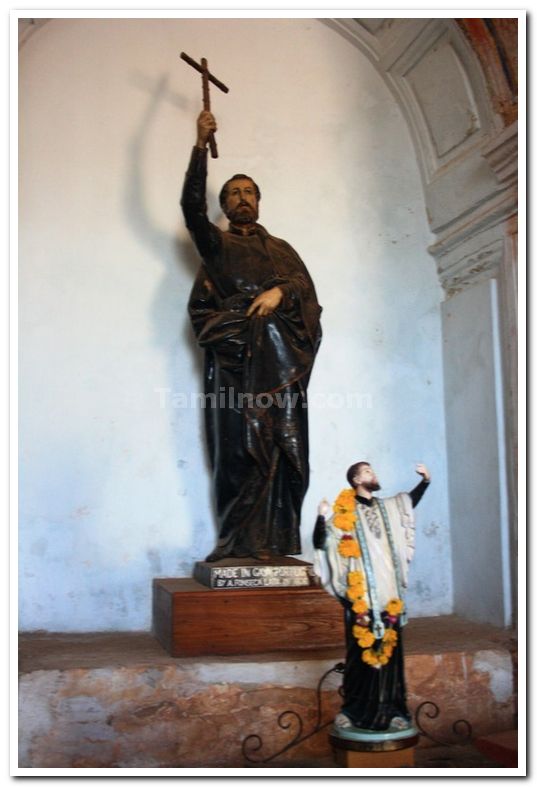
x=255, y=312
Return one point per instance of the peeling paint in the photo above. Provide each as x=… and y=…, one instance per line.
x=112, y=716
x=422, y=590
x=304, y=675
x=498, y=667
x=154, y=561
x=80, y=512
x=431, y=529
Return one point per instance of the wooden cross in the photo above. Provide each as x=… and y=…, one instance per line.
x=206, y=77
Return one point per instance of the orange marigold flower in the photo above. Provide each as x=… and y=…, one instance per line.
x=371, y=658
x=340, y=509
x=355, y=578
x=348, y=547
x=345, y=502
x=390, y=636
x=366, y=639
x=354, y=592
x=395, y=606
x=360, y=606
x=346, y=494
x=345, y=521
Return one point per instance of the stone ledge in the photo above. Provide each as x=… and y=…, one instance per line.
x=119, y=701
x=45, y=650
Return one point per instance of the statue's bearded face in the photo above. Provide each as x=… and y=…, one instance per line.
x=367, y=478
x=241, y=205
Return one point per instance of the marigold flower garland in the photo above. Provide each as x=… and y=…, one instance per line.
x=376, y=653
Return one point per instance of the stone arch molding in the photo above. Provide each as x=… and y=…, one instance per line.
x=467, y=160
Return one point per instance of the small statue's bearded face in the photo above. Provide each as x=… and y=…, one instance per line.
x=241, y=206
x=367, y=479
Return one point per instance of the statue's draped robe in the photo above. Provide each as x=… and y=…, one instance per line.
x=373, y=696
x=256, y=375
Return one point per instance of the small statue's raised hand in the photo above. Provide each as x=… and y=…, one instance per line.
x=422, y=470
x=324, y=508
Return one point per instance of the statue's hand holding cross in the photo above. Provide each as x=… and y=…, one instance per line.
x=206, y=128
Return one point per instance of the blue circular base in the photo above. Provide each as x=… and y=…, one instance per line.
x=371, y=736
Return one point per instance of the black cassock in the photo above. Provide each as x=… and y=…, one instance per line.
x=256, y=376
x=373, y=697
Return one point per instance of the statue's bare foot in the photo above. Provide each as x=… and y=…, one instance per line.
x=398, y=723
x=342, y=721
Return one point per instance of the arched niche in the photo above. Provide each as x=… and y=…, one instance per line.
x=455, y=88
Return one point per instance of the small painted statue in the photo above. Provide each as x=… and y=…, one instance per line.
x=368, y=542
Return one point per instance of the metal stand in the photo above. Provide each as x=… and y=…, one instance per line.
x=385, y=750
x=286, y=720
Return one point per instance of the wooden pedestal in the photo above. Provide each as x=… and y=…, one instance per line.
x=190, y=619
x=381, y=754
x=402, y=758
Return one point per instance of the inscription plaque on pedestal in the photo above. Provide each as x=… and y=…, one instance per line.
x=237, y=573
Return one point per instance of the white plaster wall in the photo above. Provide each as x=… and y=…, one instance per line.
x=480, y=527
x=113, y=487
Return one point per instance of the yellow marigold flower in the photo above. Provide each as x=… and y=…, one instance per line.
x=371, y=658
x=348, y=547
x=394, y=606
x=366, y=640
x=354, y=592
x=359, y=631
x=390, y=636
x=388, y=650
x=345, y=502
x=375, y=658
x=345, y=521
x=360, y=606
x=355, y=578
x=340, y=509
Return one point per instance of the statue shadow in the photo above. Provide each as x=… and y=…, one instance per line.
x=175, y=253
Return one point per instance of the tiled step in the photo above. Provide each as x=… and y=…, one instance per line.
x=501, y=747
